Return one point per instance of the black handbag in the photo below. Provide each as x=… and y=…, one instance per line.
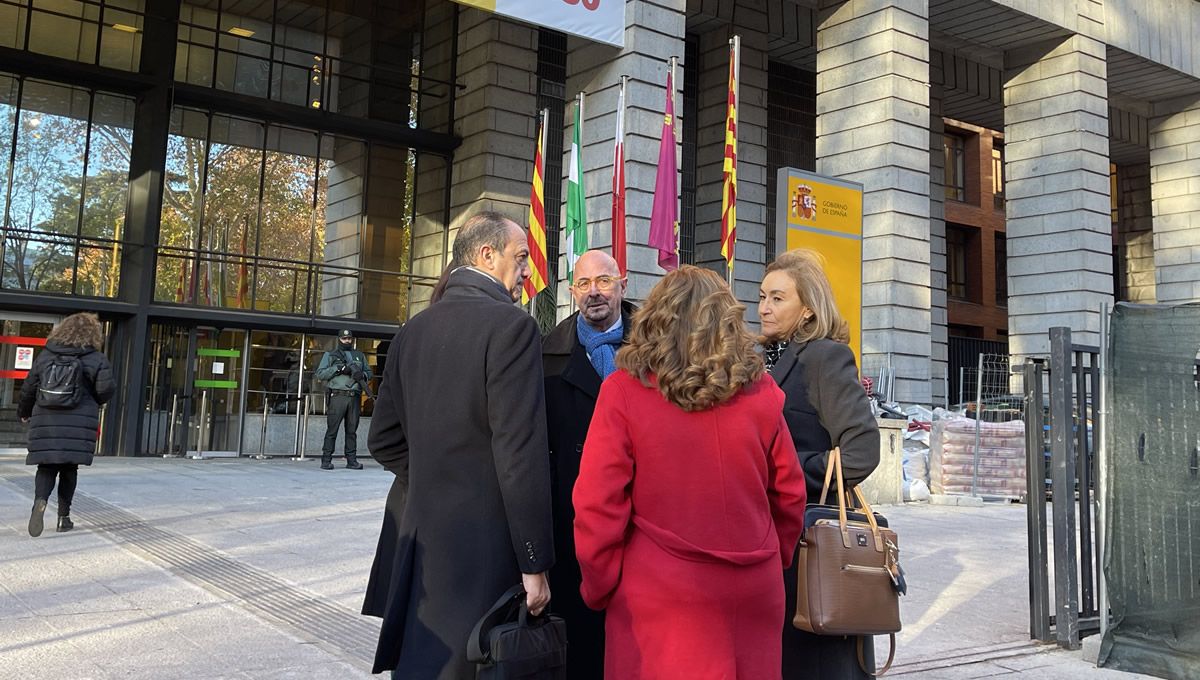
x=510, y=644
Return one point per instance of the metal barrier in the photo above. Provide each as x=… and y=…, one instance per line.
x=1065, y=430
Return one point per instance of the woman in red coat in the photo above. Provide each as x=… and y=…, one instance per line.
x=690, y=498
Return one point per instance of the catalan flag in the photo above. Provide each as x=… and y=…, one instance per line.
x=729, y=167
x=539, y=271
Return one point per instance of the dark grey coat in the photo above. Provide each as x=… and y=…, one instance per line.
x=66, y=436
x=461, y=422
x=572, y=386
x=824, y=406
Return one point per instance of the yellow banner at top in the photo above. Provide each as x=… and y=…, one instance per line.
x=599, y=20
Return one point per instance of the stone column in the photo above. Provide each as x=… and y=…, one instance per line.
x=751, y=250
x=1059, y=220
x=654, y=33
x=1135, y=233
x=873, y=128
x=1175, y=189
x=939, y=316
x=496, y=117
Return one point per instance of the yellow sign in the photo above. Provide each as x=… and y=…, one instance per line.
x=825, y=214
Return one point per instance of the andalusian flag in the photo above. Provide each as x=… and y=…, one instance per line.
x=729, y=168
x=539, y=271
x=575, y=233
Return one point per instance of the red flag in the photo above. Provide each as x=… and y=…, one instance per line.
x=664, y=218
x=618, y=186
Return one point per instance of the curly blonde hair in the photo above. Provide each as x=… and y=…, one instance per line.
x=806, y=269
x=689, y=341
x=78, y=330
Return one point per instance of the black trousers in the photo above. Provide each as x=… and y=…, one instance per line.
x=342, y=408
x=68, y=477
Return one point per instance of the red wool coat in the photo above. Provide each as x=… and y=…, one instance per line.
x=683, y=524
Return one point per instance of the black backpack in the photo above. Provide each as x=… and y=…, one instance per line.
x=61, y=383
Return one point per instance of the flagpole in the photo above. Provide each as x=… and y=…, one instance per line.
x=735, y=45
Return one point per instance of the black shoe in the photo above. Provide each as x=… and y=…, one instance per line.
x=36, y=520
x=353, y=465
x=65, y=524
x=326, y=465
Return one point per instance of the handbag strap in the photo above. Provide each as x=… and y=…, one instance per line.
x=476, y=652
x=862, y=663
x=834, y=458
x=866, y=508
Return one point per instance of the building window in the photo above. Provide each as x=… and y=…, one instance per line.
x=690, y=140
x=271, y=218
x=953, y=146
x=360, y=59
x=998, y=174
x=957, y=245
x=64, y=180
x=101, y=32
x=1001, y=259
x=791, y=132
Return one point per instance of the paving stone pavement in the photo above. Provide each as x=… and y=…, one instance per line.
x=255, y=569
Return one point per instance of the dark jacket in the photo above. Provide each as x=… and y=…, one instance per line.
x=461, y=419
x=59, y=436
x=572, y=386
x=824, y=405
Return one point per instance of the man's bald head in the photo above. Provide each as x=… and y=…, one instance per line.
x=600, y=308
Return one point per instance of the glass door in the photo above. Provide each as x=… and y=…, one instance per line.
x=22, y=337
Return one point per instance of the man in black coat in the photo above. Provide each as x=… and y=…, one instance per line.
x=574, y=356
x=460, y=420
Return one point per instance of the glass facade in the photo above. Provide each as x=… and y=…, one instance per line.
x=103, y=32
x=301, y=150
x=277, y=219
x=64, y=180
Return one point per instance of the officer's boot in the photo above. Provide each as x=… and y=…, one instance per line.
x=352, y=462
x=326, y=461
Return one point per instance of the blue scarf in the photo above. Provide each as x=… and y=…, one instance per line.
x=601, y=346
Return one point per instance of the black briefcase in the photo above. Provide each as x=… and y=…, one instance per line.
x=510, y=644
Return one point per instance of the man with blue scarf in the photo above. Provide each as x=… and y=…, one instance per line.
x=576, y=357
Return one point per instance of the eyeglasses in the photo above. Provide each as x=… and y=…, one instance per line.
x=602, y=283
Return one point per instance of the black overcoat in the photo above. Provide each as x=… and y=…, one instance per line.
x=461, y=422
x=66, y=436
x=824, y=405
x=572, y=385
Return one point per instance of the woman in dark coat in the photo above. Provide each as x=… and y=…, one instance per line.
x=804, y=339
x=64, y=437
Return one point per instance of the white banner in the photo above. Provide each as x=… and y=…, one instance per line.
x=599, y=20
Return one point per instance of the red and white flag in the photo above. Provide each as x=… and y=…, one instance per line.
x=618, y=185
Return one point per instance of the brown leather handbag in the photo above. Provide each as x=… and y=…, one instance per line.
x=850, y=579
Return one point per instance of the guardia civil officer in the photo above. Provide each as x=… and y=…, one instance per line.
x=346, y=373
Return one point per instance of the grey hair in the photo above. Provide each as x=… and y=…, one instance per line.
x=487, y=228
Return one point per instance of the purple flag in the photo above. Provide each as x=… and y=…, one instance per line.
x=664, y=220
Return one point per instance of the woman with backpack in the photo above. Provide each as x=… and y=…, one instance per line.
x=60, y=399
